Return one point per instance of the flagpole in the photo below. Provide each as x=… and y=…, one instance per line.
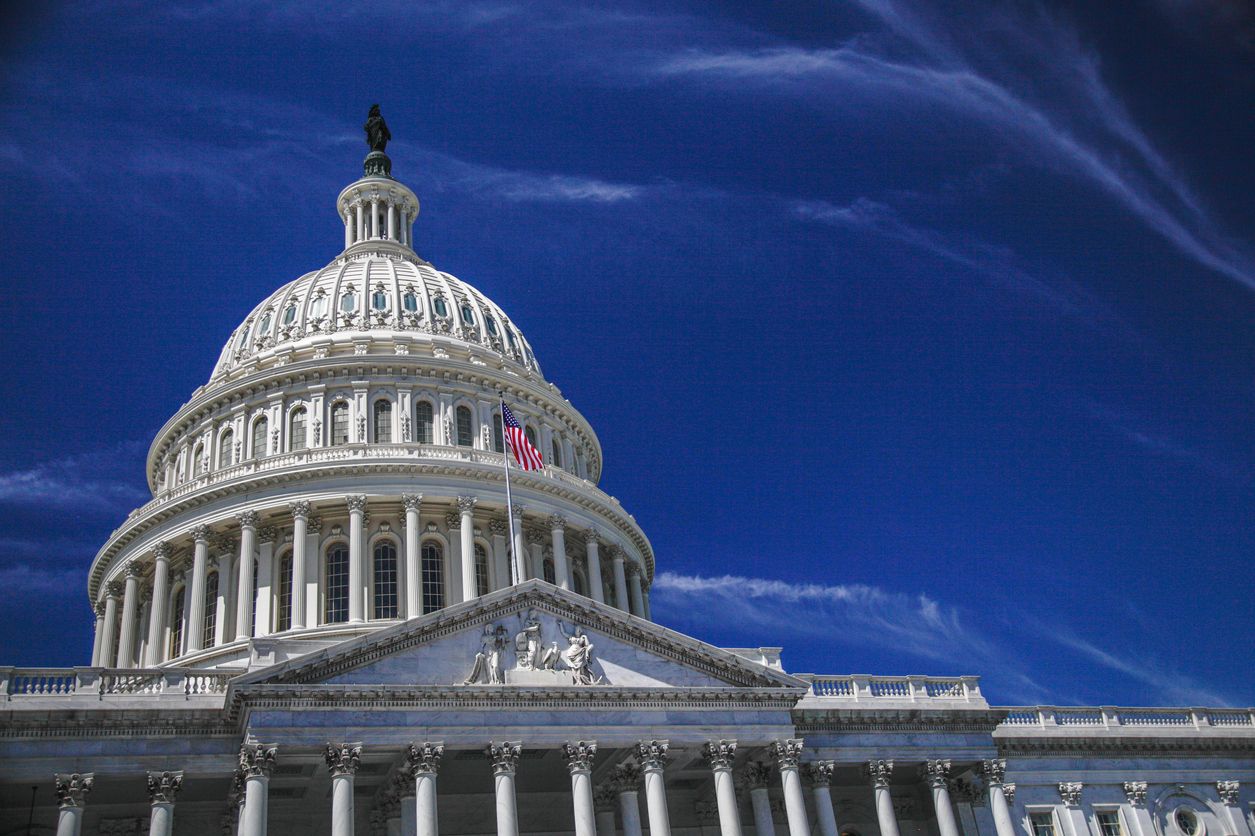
x=509, y=500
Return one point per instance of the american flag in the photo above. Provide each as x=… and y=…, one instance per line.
x=525, y=454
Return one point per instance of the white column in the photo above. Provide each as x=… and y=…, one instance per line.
x=787, y=754
x=757, y=775
x=719, y=754
x=638, y=598
x=1135, y=792
x=620, y=582
x=561, y=571
x=155, y=653
x=423, y=761
x=405, y=226
x=195, y=603
x=162, y=789
x=348, y=230
x=500, y=553
x=413, y=575
x=342, y=762
x=374, y=227
x=1230, y=792
x=879, y=773
x=604, y=798
x=820, y=775
x=392, y=222
x=130, y=613
x=313, y=535
x=99, y=609
x=466, y=507
x=357, y=592
x=520, y=554
x=244, y=571
x=579, y=760
x=300, y=530
x=409, y=807
x=994, y=772
x=360, y=218
x=937, y=774
x=592, y=542
x=627, y=778
x=265, y=580
x=453, y=582
x=1074, y=823
x=109, y=643
x=256, y=761
x=72, y=790
x=652, y=757
x=504, y=757
x=226, y=605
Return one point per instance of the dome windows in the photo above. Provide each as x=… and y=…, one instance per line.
x=319, y=306
x=289, y=313
x=224, y=449
x=339, y=424
x=424, y=423
x=410, y=301
x=265, y=324
x=296, y=429
x=386, y=602
x=468, y=314
x=441, y=308
x=509, y=335
x=259, y=437
x=466, y=433
x=491, y=324
x=383, y=421
x=242, y=340
x=336, y=606
x=348, y=301
x=379, y=299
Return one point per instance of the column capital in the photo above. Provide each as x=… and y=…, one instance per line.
x=314, y=526
x=518, y=512
x=424, y=758
x=412, y=501
x=72, y=788
x=879, y=773
x=626, y=777
x=162, y=551
x=1008, y=792
x=200, y=533
x=819, y=773
x=787, y=753
x=936, y=773
x=757, y=774
x=591, y=537
x=223, y=543
x=342, y=758
x=498, y=528
x=267, y=534
x=453, y=521
x=356, y=502
x=247, y=519
x=719, y=754
x=164, y=786
x=504, y=756
x=605, y=797
x=99, y=608
x=134, y=570
x=299, y=509
x=994, y=770
x=579, y=755
x=556, y=522
x=466, y=504
x=113, y=589
x=1135, y=792
x=652, y=754
x=1228, y=792
x=256, y=759
x=1070, y=792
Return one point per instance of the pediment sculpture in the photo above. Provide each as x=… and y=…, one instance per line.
x=536, y=662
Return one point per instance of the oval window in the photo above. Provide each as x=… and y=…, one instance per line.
x=1187, y=821
x=441, y=308
x=492, y=325
x=265, y=324
x=348, y=302
x=379, y=300
x=289, y=313
x=468, y=315
x=410, y=301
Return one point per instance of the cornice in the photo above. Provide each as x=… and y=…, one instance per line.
x=1116, y=746
x=853, y=720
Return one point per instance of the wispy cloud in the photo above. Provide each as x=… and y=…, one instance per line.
x=87, y=481
x=1157, y=441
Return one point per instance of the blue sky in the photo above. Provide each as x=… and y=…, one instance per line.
x=917, y=341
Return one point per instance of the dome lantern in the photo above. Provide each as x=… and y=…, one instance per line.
x=377, y=208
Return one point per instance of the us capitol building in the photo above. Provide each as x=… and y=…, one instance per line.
x=318, y=625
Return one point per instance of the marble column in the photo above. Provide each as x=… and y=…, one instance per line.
x=244, y=573
x=500, y=531
x=360, y=217
x=820, y=775
x=374, y=225
x=504, y=758
x=719, y=755
x=592, y=542
x=879, y=773
x=518, y=551
x=300, y=531
x=409, y=807
x=348, y=230
x=195, y=603
x=342, y=762
x=413, y=503
x=109, y=644
x=71, y=790
x=638, y=597
x=579, y=761
x=757, y=775
x=313, y=538
x=99, y=609
x=265, y=581
x=392, y=222
x=130, y=616
x=994, y=772
x=620, y=581
x=155, y=652
x=162, y=789
x=1229, y=793
x=466, y=507
x=626, y=781
x=937, y=774
x=1135, y=792
x=604, y=798
x=357, y=574
x=561, y=569
x=787, y=754
x=652, y=757
x=256, y=761
x=424, y=762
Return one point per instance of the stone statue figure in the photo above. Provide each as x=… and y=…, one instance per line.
x=488, y=659
x=527, y=643
x=377, y=134
x=579, y=656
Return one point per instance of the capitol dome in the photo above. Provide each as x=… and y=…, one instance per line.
x=344, y=469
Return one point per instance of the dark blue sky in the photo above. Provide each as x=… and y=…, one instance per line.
x=916, y=342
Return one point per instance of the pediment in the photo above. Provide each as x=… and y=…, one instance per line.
x=530, y=635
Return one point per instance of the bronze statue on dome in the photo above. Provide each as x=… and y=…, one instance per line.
x=377, y=134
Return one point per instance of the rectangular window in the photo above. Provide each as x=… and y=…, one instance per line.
x=340, y=424
x=1043, y=823
x=283, y=608
x=466, y=435
x=1109, y=823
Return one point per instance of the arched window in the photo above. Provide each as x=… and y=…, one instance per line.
x=424, y=422
x=481, y=570
x=176, y=623
x=383, y=422
x=296, y=429
x=260, y=427
x=498, y=440
x=224, y=448
x=551, y=576
x=433, y=577
x=199, y=463
x=339, y=423
x=336, y=605
x=556, y=458
x=211, y=610
x=466, y=434
x=283, y=596
x=385, y=579
x=530, y=432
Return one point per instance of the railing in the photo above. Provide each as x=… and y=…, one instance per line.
x=19, y=683
x=857, y=688
x=1108, y=717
